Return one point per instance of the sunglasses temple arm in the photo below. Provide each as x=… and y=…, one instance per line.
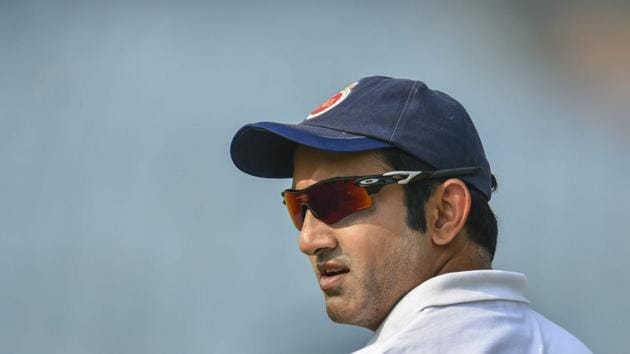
x=422, y=175
x=454, y=172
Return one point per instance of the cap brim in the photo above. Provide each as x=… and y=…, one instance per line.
x=265, y=149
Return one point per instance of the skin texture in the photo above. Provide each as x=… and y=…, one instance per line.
x=385, y=258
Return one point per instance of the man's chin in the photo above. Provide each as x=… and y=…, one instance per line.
x=340, y=309
x=336, y=315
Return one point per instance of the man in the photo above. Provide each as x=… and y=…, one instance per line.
x=390, y=194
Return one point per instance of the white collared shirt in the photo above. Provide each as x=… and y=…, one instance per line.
x=480, y=311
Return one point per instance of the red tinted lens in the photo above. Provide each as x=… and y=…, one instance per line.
x=329, y=201
x=295, y=202
x=335, y=200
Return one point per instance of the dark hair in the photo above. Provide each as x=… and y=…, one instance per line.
x=481, y=223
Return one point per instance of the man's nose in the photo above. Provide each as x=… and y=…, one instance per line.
x=315, y=235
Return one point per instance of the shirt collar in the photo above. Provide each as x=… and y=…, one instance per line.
x=450, y=289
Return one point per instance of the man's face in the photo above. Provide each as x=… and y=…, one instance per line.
x=366, y=262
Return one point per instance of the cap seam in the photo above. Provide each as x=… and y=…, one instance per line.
x=404, y=110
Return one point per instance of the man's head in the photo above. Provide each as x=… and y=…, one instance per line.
x=367, y=256
x=367, y=261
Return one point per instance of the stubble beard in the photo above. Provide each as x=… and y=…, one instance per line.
x=360, y=303
x=365, y=299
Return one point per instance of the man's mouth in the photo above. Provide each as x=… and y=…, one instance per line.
x=330, y=273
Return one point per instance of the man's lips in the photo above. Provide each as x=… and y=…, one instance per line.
x=330, y=273
x=327, y=282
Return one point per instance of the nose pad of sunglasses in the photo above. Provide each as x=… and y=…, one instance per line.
x=304, y=208
x=299, y=221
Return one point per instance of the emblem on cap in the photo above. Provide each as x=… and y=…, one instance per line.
x=332, y=102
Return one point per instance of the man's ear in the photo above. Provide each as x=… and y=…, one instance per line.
x=447, y=211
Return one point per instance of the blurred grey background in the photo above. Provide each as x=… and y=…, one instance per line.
x=125, y=228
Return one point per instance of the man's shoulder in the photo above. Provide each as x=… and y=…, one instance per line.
x=558, y=339
x=480, y=327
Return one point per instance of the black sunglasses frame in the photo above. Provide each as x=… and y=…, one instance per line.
x=374, y=183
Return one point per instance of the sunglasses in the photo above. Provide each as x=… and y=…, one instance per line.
x=333, y=199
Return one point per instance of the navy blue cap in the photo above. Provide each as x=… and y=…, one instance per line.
x=374, y=113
